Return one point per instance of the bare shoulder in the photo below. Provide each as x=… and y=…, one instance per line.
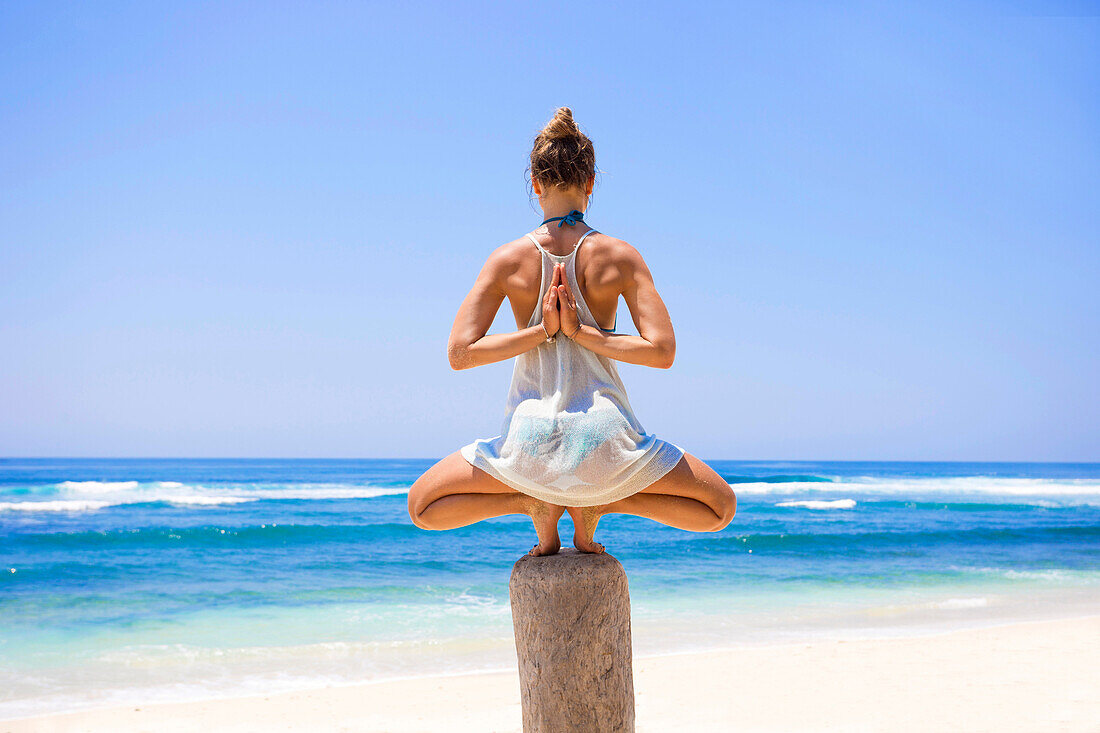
x=509, y=269
x=504, y=262
x=510, y=255
x=614, y=250
x=620, y=260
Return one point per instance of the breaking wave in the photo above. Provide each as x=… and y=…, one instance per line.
x=87, y=496
x=1086, y=491
x=811, y=504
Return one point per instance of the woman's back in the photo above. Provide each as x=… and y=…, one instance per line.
x=570, y=436
x=601, y=262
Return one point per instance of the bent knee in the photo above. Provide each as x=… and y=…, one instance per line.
x=417, y=506
x=416, y=520
x=726, y=508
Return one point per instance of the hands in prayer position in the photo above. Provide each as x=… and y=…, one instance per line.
x=559, y=307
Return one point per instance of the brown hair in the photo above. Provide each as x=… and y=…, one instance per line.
x=563, y=156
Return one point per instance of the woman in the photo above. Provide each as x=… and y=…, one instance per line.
x=570, y=441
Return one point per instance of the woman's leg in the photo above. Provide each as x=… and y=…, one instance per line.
x=452, y=493
x=691, y=496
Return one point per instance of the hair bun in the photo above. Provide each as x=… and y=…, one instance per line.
x=562, y=126
x=562, y=156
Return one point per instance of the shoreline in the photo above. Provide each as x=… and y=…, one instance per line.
x=644, y=644
x=1016, y=675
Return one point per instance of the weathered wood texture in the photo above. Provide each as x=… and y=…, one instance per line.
x=571, y=613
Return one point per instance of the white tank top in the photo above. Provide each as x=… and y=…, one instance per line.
x=569, y=435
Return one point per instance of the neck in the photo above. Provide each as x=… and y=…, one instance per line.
x=561, y=203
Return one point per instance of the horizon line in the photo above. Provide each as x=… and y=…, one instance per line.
x=423, y=458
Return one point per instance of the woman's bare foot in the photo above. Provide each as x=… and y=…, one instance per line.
x=545, y=518
x=585, y=520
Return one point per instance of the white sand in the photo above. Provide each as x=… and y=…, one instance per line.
x=1037, y=676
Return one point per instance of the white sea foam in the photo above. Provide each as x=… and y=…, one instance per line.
x=1080, y=491
x=1054, y=574
x=75, y=505
x=1059, y=575
x=97, y=487
x=78, y=496
x=468, y=604
x=331, y=492
x=810, y=504
x=206, y=500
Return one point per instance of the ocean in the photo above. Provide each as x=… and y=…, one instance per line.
x=141, y=580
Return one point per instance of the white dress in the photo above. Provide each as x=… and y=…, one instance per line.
x=569, y=436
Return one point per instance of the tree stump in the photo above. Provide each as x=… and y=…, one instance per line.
x=571, y=614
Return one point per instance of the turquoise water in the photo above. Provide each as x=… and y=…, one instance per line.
x=141, y=580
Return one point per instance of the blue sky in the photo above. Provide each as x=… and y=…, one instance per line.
x=243, y=229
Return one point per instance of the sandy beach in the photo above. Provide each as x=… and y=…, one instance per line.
x=1034, y=676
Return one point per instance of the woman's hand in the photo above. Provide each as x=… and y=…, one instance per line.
x=551, y=321
x=570, y=322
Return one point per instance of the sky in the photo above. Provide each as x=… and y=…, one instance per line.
x=244, y=229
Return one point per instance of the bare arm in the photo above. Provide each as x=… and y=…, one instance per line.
x=468, y=345
x=655, y=345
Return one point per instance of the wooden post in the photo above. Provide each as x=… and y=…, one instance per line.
x=571, y=614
